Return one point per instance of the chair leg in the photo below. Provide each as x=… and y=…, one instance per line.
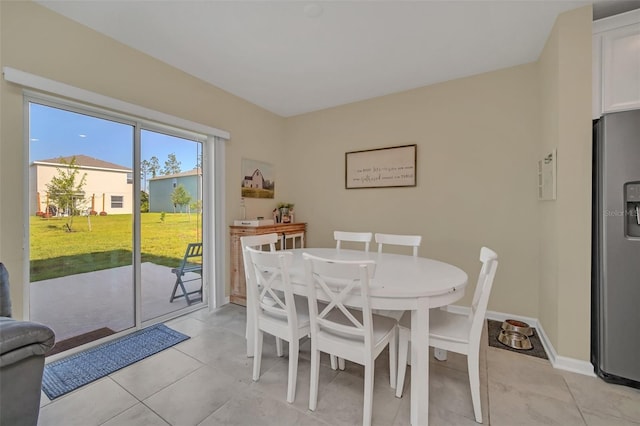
x=184, y=294
x=251, y=329
x=334, y=362
x=315, y=373
x=279, y=346
x=393, y=348
x=294, y=348
x=473, y=365
x=175, y=288
x=257, y=354
x=403, y=349
x=367, y=411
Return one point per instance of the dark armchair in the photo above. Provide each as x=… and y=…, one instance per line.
x=23, y=345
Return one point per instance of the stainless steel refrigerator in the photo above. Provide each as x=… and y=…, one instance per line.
x=615, y=325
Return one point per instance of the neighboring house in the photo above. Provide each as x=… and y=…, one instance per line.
x=161, y=187
x=256, y=180
x=108, y=186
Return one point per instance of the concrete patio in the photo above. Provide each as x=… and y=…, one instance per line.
x=77, y=304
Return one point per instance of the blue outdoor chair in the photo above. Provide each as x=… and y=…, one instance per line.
x=191, y=263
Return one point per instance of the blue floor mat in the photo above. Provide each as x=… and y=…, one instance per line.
x=67, y=374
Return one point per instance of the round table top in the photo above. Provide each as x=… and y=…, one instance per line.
x=395, y=275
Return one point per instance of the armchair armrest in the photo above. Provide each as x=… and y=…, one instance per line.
x=22, y=339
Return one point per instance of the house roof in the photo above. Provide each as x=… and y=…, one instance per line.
x=84, y=161
x=192, y=172
x=254, y=173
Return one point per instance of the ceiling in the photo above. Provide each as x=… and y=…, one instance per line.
x=293, y=57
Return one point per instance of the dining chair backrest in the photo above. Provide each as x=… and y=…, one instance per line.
x=358, y=237
x=269, y=268
x=399, y=240
x=257, y=242
x=296, y=241
x=335, y=282
x=489, y=260
x=260, y=241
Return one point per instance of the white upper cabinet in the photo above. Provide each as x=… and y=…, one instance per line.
x=616, y=63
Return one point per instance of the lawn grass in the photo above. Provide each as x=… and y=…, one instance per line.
x=57, y=253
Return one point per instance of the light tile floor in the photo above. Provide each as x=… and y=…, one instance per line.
x=206, y=381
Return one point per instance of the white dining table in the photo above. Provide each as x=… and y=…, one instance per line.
x=400, y=282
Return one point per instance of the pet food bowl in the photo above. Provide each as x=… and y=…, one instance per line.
x=514, y=340
x=518, y=326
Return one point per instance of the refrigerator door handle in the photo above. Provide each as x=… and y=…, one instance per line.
x=638, y=213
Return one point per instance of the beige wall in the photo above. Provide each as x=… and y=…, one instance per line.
x=476, y=175
x=479, y=140
x=548, y=301
x=565, y=75
x=38, y=41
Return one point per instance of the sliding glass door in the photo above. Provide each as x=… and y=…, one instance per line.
x=171, y=219
x=112, y=207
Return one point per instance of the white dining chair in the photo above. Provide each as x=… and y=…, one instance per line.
x=272, y=242
x=259, y=242
x=399, y=240
x=396, y=240
x=354, y=335
x=458, y=333
x=358, y=237
x=286, y=318
x=296, y=241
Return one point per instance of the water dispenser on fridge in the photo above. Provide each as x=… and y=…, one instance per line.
x=632, y=213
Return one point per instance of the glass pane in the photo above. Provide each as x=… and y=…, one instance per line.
x=171, y=222
x=80, y=205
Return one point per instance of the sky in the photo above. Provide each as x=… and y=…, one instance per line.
x=57, y=133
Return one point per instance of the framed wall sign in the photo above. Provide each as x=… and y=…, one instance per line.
x=383, y=167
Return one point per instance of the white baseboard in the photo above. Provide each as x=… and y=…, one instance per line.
x=557, y=361
x=574, y=365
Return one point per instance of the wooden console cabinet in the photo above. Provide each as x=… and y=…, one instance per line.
x=238, y=284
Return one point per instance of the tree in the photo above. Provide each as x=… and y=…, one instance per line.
x=150, y=166
x=172, y=165
x=180, y=197
x=196, y=206
x=153, y=166
x=66, y=190
x=144, y=172
x=144, y=202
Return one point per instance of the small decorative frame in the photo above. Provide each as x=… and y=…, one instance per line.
x=257, y=179
x=382, y=167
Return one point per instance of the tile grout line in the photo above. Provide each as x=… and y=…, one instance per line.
x=124, y=389
x=573, y=397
